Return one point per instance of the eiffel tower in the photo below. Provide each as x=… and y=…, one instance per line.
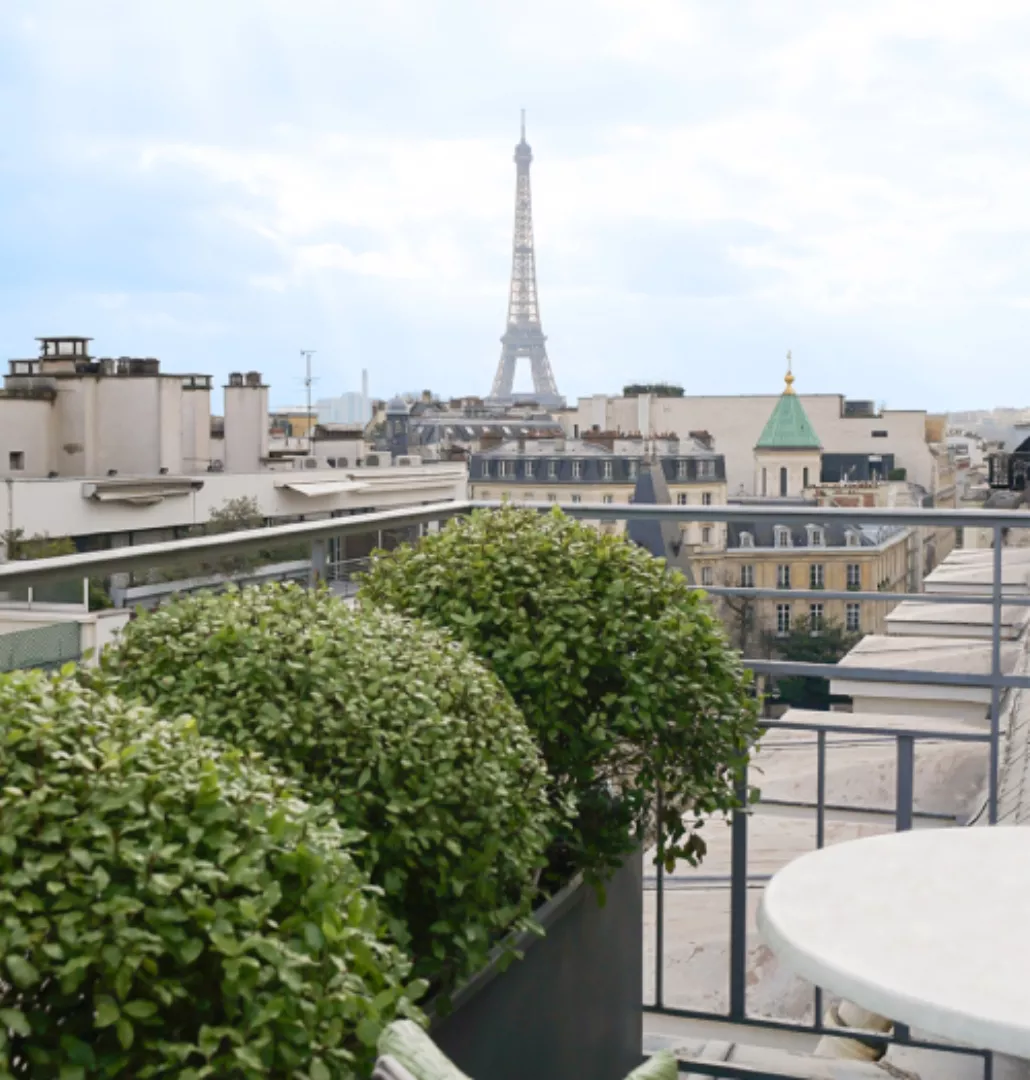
x=524, y=337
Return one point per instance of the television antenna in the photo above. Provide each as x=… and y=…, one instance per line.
x=308, y=382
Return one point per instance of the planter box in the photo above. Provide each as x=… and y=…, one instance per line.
x=572, y=1006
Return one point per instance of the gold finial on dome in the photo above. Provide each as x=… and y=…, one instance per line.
x=789, y=377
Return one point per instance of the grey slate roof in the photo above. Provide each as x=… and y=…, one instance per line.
x=835, y=534
x=660, y=537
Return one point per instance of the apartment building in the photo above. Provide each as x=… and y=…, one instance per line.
x=859, y=440
x=604, y=469
x=818, y=555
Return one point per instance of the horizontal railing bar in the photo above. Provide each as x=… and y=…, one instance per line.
x=901, y=676
x=122, y=560
x=815, y=515
x=772, y=808
x=873, y=597
x=729, y=1071
x=877, y=732
x=875, y=811
x=816, y=1028
x=27, y=572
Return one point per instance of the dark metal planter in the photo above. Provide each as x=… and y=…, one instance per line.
x=572, y=1006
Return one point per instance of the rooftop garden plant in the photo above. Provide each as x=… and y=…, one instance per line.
x=621, y=669
x=412, y=739
x=168, y=906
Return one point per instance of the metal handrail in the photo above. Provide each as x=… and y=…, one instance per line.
x=320, y=532
x=122, y=560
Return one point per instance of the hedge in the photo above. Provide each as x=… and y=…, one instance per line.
x=168, y=907
x=621, y=669
x=415, y=743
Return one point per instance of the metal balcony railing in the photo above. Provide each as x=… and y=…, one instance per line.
x=327, y=565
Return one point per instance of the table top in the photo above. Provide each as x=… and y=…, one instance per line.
x=929, y=928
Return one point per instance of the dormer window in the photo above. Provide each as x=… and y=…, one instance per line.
x=552, y=470
x=816, y=536
x=747, y=540
x=632, y=466
x=854, y=540
x=782, y=536
x=528, y=467
x=486, y=468
x=681, y=470
x=577, y=470
x=606, y=470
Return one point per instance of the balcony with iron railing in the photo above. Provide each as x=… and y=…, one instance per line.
x=711, y=989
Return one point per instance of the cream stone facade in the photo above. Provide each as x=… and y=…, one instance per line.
x=866, y=561
x=781, y=473
x=735, y=422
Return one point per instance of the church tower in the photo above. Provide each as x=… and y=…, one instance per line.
x=788, y=454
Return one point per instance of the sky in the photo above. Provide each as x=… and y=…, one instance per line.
x=223, y=184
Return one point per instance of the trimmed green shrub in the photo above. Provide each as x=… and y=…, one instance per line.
x=170, y=908
x=402, y=728
x=621, y=669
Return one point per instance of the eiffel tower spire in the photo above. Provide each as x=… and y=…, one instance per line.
x=524, y=336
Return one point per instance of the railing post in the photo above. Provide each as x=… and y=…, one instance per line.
x=318, y=563
x=992, y=779
x=820, y=789
x=738, y=903
x=905, y=781
x=820, y=830
x=659, y=913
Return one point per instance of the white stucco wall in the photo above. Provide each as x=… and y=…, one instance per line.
x=196, y=430
x=128, y=427
x=246, y=428
x=169, y=436
x=802, y=471
x=73, y=430
x=26, y=428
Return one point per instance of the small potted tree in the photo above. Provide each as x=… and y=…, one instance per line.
x=646, y=720
x=171, y=907
x=427, y=762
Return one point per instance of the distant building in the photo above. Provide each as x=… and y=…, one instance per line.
x=1008, y=465
x=111, y=452
x=349, y=408
x=292, y=421
x=436, y=430
x=603, y=468
x=67, y=413
x=818, y=554
x=788, y=454
x=859, y=440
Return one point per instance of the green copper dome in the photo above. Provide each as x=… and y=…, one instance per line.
x=788, y=428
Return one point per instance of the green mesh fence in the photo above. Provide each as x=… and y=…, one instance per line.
x=40, y=647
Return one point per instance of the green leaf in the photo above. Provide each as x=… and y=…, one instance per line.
x=105, y=1012
x=368, y=1031
x=139, y=1010
x=22, y=972
x=16, y=1021
x=125, y=1033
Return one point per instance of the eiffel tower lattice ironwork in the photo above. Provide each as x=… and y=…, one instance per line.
x=524, y=337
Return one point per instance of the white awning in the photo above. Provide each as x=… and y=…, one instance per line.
x=315, y=490
x=138, y=492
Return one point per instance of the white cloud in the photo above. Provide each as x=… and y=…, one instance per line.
x=862, y=160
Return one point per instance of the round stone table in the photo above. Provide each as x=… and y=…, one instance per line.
x=929, y=928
